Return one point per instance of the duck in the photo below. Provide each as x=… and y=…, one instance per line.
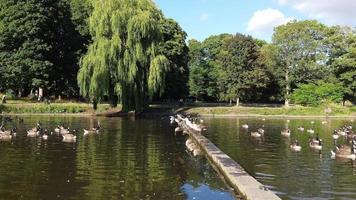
x=343, y=151
x=245, y=126
x=315, y=144
x=300, y=128
x=286, y=132
x=295, y=146
x=310, y=131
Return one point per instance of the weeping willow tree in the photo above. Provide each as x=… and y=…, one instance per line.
x=123, y=59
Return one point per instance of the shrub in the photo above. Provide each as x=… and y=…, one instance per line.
x=317, y=94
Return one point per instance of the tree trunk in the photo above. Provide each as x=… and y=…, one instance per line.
x=237, y=101
x=95, y=104
x=286, y=100
x=230, y=101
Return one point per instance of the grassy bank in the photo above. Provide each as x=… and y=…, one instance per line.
x=336, y=110
x=27, y=107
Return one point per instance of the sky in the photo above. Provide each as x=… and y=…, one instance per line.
x=202, y=18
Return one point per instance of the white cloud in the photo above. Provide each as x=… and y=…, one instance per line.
x=332, y=11
x=263, y=21
x=204, y=17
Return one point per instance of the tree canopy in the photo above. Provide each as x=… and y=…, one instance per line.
x=123, y=58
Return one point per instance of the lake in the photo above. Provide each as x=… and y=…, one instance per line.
x=129, y=159
x=308, y=174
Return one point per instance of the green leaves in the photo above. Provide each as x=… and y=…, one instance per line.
x=124, y=55
x=317, y=94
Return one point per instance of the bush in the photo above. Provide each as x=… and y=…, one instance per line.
x=317, y=94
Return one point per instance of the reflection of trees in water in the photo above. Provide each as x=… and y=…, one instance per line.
x=34, y=168
x=127, y=160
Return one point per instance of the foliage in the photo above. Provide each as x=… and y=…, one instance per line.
x=301, y=52
x=315, y=94
x=203, y=67
x=343, y=55
x=37, y=46
x=240, y=73
x=126, y=35
x=175, y=49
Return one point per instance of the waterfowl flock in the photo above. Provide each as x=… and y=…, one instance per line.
x=68, y=135
x=315, y=143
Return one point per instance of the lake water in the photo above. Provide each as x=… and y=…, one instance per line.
x=308, y=174
x=129, y=159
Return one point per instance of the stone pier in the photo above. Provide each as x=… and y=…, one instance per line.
x=247, y=186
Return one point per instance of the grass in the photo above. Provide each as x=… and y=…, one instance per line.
x=337, y=110
x=24, y=106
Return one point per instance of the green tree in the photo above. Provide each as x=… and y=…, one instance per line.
x=301, y=53
x=204, y=67
x=345, y=67
x=24, y=47
x=123, y=57
x=241, y=75
x=175, y=49
x=315, y=94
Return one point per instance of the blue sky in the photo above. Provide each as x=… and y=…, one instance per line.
x=202, y=18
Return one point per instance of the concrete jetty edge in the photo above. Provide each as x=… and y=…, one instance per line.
x=246, y=186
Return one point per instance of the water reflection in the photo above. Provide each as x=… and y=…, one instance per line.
x=129, y=159
x=307, y=174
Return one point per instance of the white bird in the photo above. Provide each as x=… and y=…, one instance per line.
x=245, y=126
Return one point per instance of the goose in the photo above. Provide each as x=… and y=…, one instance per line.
x=197, y=152
x=245, y=126
x=310, y=131
x=34, y=132
x=295, y=146
x=300, y=128
x=261, y=130
x=45, y=135
x=172, y=119
x=8, y=132
x=342, y=151
x=178, y=129
x=341, y=132
x=256, y=134
x=315, y=144
x=286, y=132
x=69, y=137
x=5, y=137
x=93, y=130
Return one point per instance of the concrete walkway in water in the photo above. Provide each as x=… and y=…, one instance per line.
x=247, y=186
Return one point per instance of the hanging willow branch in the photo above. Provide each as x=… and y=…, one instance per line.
x=122, y=60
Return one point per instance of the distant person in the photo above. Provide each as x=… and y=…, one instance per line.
x=3, y=100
